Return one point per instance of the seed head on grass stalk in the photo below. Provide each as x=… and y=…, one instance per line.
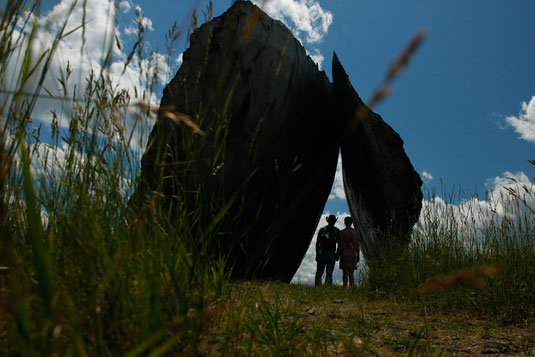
x=474, y=277
x=168, y=113
x=396, y=68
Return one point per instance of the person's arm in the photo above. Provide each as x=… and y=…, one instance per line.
x=356, y=237
x=339, y=245
x=318, y=244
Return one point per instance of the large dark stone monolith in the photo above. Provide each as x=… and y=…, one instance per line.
x=249, y=84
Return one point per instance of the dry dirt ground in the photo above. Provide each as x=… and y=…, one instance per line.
x=354, y=324
x=389, y=327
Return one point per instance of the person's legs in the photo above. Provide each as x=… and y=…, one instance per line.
x=329, y=273
x=351, y=274
x=319, y=270
x=347, y=276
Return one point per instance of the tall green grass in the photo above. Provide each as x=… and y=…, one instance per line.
x=481, y=253
x=79, y=274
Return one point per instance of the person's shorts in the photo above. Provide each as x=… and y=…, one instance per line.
x=348, y=261
x=327, y=257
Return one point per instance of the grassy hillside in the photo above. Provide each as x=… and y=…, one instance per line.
x=80, y=276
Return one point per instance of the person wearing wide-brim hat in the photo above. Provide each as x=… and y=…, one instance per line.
x=328, y=238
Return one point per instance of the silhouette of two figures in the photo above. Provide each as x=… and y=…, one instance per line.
x=333, y=245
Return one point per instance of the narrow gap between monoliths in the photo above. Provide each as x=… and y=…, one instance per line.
x=337, y=205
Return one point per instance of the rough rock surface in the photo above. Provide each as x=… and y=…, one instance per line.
x=381, y=185
x=246, y=73
x=273, y=128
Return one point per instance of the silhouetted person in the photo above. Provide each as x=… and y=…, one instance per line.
x=348, y=251
x=328, y=237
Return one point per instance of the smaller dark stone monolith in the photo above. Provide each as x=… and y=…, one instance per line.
x=382, y=188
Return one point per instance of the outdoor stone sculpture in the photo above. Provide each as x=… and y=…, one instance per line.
x=273, y=127
x=382, y=189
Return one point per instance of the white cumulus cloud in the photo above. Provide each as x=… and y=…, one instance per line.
x=85, y=50
x=524, y=123
x=317, y=57
x=337, y=191
x=474, y=219
x=427, y=176
x=125, y=6
x=305, y=18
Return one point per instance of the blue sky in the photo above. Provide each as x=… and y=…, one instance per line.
x=476, y=68
x=451, y=106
